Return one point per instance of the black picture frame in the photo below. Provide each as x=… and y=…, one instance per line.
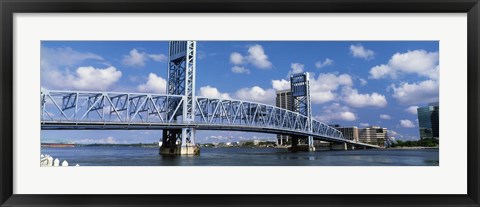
x=9, y=7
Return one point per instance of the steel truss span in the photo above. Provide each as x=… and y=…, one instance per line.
x=111, y=110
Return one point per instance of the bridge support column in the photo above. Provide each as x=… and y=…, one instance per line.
x=302, y=144
x=338, y=146
x=301, y=103
x=175, y=142
x=311, y=147
x=181, y=81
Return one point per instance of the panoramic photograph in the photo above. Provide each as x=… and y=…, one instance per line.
x=239, y=103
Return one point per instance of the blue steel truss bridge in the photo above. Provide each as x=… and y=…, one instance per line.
x=179, y=113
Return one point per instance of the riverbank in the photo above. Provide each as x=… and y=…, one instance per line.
x=414, y=147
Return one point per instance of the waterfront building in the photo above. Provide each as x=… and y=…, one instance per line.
x=350, y=133
x=373, y=135
x=284, y=100
x=428, y=121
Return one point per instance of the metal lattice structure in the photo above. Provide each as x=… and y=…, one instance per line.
x=179, y=112
x=99, y=110
x=300, y=86
x=68, y=110
x=181, y=81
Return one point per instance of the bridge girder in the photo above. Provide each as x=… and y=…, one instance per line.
x=301, y=102
x=181, y=81
x=128, y=109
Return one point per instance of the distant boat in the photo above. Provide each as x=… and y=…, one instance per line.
x=57, y=145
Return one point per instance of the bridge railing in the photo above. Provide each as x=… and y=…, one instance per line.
x=65, y=106
x=127, y=108
x=226, y=111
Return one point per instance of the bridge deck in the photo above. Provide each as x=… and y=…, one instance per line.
x=68, y=110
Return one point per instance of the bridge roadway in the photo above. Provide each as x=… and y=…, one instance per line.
x=75, y=110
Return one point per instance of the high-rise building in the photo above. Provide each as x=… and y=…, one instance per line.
x=350, y=133
x=284, y=101
x=428, y=121
x=374, y=135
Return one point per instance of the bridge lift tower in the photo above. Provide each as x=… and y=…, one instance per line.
x=181, y=81
x=300, y=86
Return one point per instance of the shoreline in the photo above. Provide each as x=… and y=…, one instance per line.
x=414, y=148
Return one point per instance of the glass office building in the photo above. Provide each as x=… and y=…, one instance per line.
x=428, y=121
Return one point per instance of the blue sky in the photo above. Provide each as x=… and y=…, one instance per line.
x=353, y=83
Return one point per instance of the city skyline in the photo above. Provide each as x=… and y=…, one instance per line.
x=353, y=83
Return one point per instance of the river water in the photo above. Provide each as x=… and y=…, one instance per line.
x=148, y=156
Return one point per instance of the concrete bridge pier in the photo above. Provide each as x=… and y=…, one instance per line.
x=302, y=144
x=338, y=146
x=174, y=142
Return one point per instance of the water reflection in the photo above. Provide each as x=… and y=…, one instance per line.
x=142, y=156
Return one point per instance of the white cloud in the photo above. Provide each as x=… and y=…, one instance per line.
x=415, y=93
x=158, y=57
x=336, y=112
x=84, y=78
x=257, y=56
x=217, y=138
x=412, y=109
x=280, y=84
x=433, y=73
x=135, y=58
x=54, y=57
x=399, y=136
x=155, y=84
x=230, y=136
x=90, y=78
x=361, y=52
x=354, y=99
x=201, y=55
x=363, y=82
x=406, y=123
x=418, y=62
x=296, y=68
x=385, y=116
x=236, y=58
x=348, y=116
x=364, y=124
x=239, y=69
x=108, y=140
x=55, y=64
x=321, y=64
x=257, y=94
x=321, y=88
x=330, y=81
x=381, y=71
x=392, y=133
x=211, y=92
x=319, y=97
x=395, y=134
